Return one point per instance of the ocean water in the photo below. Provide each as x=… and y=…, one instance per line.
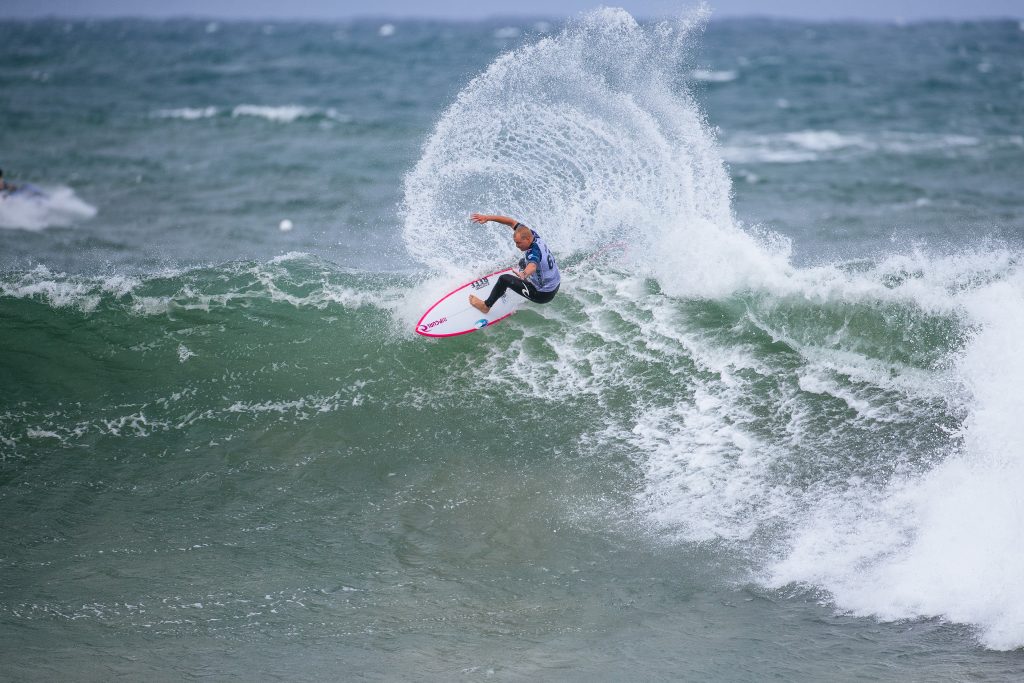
x=770, y=427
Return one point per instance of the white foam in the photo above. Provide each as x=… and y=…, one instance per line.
x=187, y=113
x=184, y=353
x=55, y=207
x=944, y=540
x=282, y=114
x=701, y=467
x=85, y=293
x=305, y=407
x=950, y=542
x=819, y=385
x=60, y=291
x=34, y=433
x=710, y=76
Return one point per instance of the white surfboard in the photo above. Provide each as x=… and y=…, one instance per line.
x=453, y=315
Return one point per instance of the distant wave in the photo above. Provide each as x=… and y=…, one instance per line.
x=285, y=114
x=813, y=145
x=187, y=113
x=714, y=76
x=288, y=113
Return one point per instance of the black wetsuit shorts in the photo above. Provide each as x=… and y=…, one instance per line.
x=523, y=288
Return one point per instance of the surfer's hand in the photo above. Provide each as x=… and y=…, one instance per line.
x=480, y=218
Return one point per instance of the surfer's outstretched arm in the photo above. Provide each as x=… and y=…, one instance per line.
x=484, y=218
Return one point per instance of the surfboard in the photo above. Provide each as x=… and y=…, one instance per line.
x=453, y=315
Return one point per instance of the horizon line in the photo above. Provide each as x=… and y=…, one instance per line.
x=502, y=17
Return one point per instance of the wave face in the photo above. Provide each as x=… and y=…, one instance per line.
x=853, y=431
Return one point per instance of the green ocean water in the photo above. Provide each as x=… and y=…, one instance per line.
x=768, y=428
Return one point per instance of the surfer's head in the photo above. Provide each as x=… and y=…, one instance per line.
x=523, y=237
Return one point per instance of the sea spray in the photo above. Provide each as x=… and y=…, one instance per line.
x=591, y=138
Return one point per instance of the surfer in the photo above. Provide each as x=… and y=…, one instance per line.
x=5, y=187
x=538, y=280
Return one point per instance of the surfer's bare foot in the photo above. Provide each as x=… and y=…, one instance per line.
x=478, y=303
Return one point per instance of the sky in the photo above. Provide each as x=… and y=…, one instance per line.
x=872, y=10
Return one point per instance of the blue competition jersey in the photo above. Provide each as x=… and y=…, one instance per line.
x=547, y=277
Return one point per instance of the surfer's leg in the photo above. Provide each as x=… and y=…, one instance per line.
x=504, y=283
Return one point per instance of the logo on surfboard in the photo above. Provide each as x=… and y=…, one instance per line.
x=481, y=323
x=480, y=284
x=426, y=326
